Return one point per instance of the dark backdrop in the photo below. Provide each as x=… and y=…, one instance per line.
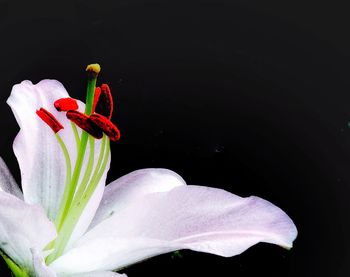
x=249, y=96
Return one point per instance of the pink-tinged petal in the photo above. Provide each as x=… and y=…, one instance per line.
x=23, y=227
x=132, y=186
x=42, y=164
x=7, y=182
x=41, y=161
x=187, y=217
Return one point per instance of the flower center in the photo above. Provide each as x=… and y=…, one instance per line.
x=95, y=124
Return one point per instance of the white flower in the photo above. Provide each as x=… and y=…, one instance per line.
x=140, y=215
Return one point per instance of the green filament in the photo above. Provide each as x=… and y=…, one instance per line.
x=88, y=170
x=78, y=206
x=75, y=199
x=97, y=174
x=71, y=188
x=59, y=217
x=76, y=134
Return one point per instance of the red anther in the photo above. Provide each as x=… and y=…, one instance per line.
x=103, y=101
x=106, y=126
x=49, y=119
x=96, y=97
x=66, y=104
x=83, y=121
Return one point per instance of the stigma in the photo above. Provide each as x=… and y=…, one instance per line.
x=95, y=67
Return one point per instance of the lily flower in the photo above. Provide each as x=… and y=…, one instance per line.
x=66, y=222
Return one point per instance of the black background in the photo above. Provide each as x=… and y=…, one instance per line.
x=249, y=96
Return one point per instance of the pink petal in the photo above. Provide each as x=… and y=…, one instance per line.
x=40, y=157
x=187, y=217
x=42, y=164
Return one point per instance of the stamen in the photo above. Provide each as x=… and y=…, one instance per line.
x=83, y=121
x=76, y=135
x=66, y=104
x=88, y=170
x=49, y=119
x=59, y=218
x=96, y=97
x=106, y=126
x=80, y=204
x=103, y=102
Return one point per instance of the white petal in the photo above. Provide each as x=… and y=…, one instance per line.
x=109, y=253
x=7, y=182
x=97, y=274
x=42, y=164
x=189, y=217
x=125, y=190
x=40, y=268
x=23, y=227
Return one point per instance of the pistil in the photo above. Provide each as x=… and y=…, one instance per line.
x=70, y=190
